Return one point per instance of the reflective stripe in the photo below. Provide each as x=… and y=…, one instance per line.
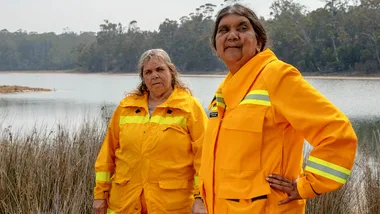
x=258, y=97
x=109, y=211
x=180, y=120
x=212, y=104
x=133, y=119
x=214, y=108
x=196, y=180
x=219, y=95
x=262, y=92
x=220, y=100
x=257, y=102
x=103, y=176
x=222, y=105
x=330, y=165
x=327, y=170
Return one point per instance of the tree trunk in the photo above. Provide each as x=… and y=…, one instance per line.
x=377, y=53
x=335, y=51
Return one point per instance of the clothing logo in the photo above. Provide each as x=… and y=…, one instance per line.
x=213, y=114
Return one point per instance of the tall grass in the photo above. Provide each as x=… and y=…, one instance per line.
x=53, y=172
x=49, y=172
x=361, y=194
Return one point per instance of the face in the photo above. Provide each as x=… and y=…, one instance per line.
x=235, y=40
x=157, y=76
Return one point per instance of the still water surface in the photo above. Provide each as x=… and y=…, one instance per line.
x=79, y=96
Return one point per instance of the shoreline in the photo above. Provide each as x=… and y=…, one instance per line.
x=15, y=89
x=221, y=75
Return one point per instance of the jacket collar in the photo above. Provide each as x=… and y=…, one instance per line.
x=235, y=87
x=178, y=99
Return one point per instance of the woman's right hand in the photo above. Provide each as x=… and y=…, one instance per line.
x=100, y=206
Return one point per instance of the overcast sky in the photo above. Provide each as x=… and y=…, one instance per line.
x=87, y=15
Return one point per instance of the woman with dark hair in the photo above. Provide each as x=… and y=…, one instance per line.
x=260, y=115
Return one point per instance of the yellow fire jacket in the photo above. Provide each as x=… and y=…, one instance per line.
x=158, y=154
x=259, y=120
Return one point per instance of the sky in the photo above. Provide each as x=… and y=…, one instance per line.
x=86, y=15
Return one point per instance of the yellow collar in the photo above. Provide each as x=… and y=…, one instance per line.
x=178, y=99
x=235, y=87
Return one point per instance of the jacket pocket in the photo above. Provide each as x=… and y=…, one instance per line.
x=119, y=191
x=246, y=118
x=176, y=195
x=243, y=189
x=249, y=206
x=178, y=184
x=174, y=128
x=245, y=196
x=172, y=143
x=241, y=138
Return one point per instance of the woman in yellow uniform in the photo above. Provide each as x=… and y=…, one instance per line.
x=150, y=157
x=261, y=113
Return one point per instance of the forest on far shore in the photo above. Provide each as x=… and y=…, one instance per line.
x=342, y=37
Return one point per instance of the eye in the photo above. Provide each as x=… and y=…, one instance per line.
x=147, y=72
x=222, y=30
x=243, y=28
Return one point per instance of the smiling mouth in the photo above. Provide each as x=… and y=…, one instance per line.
x=233, y=47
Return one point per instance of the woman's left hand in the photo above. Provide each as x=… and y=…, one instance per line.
x=198, y=207
x=288, y=186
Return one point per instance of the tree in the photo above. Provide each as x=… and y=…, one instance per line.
x=342, y=36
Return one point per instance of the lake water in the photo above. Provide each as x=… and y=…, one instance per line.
x=79, y=96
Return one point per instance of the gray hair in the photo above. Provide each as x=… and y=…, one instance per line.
x=161, y=54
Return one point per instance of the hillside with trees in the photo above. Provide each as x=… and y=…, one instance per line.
x=343, y=36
